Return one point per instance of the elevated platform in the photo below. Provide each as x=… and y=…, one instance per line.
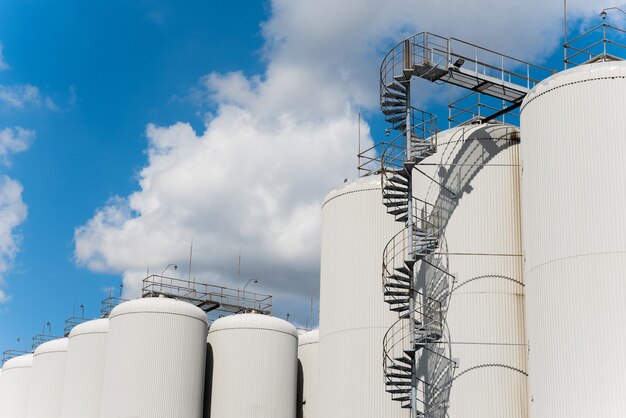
x=456, y=62
x=207, y=297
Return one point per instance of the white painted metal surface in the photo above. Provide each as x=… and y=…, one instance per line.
x=155, y=360
x=85, y=369
x=353, y=314
x=48, y=378
x=15, y=386
x=482, y=245
x=573, y=149
x=255, y=361
x=308, y=355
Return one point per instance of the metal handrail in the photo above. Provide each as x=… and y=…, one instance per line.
x=71, y=322
x=109, y=304
x=590, y=49
x=398, y=339
x=206, y=295
x=427, y=47
x=9, y=354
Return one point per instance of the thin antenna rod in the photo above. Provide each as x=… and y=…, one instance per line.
x=190, y=257
x=239, y=264
x=358, y=155
x=311, y=313
x=564, y=34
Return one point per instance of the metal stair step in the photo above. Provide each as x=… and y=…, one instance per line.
x=405, y=360
x=398, y=211
x=395, y=86
x=402, y=368
x=394, y=103
x=391, y=95
x=398, y=384
x=397, y=301
x=395, y=203
x=405, y=390
x=395, y=119
x=402, y=78
x=394, y=195
x=399, y=278
x=395, y=293
x=398, y=285
x=399, y=308
x=395, y=187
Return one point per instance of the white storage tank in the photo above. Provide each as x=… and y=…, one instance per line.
x=478, y=203
x=46, y=389
x=573, y=151
x=353, y=314
x=155, y=360
x=255, y=360
x=15, y=386
x=308, y=374
x=87, y=345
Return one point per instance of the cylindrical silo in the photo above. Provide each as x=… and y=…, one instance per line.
x=308, y=374
x=15, y=386
x=255, y=361
x=48, y=379
x=87, y=344
x=474, y=189
x=353, y=314
x=155, y=360
x=573, y=151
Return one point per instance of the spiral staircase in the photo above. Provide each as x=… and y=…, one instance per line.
x=417, y=362
x=416, y=357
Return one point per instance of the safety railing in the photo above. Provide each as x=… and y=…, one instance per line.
x=437, y=55
x=205, y=296
x=9, y=354
x=71, y=322
x=602, y=42
x=398, y=249
x=109, y=304
x=399, y=342
x=474, y=107
x=41, y=339
x=423, y=129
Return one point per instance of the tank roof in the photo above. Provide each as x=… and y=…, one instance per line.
x=55, y=346
x=96, y=326
x=357, y=185
x=310, y=337
x=581, y=73
x=19, y=362
x=159, y=305
x=253, y=321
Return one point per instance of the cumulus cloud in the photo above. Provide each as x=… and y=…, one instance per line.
x=13, y=212
x=14, y=140
x=254, y=179
x=22, y=95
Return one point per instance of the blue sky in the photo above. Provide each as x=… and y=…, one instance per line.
x=148, y=120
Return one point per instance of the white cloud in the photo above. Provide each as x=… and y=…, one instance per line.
x=21, y=95
x=255, y=178
x=13, y=212
x=3, y=63
x=14, y=140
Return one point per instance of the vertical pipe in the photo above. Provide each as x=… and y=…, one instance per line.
x=604, y=37
x=358, y=155
x=565, y=34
